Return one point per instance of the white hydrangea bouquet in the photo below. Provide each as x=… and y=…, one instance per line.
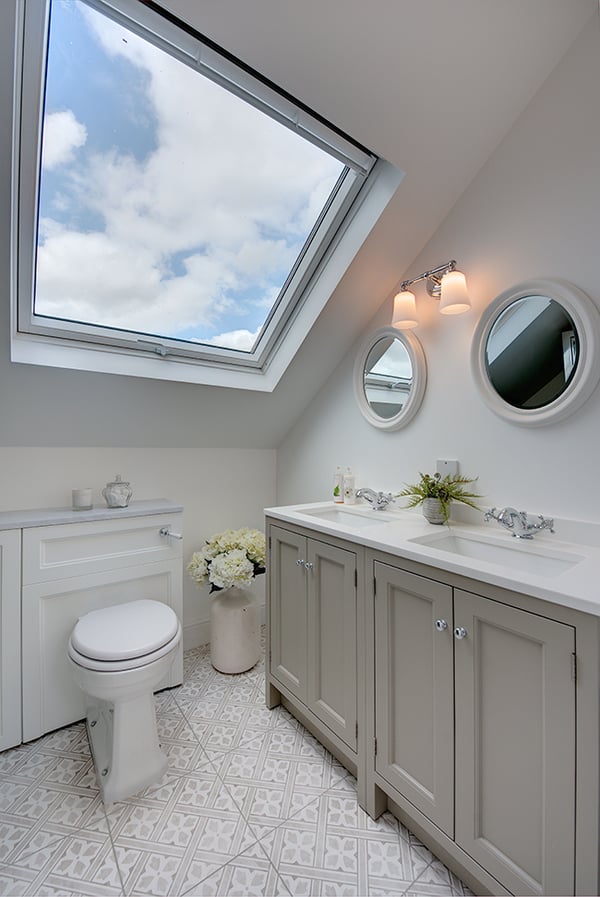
x=230, y=558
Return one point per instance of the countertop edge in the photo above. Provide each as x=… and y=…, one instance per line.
x=580, y=595
x=25, y=519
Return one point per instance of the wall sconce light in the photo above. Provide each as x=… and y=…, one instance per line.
x=444, y=283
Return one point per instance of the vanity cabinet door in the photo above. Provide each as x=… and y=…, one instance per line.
x=331, y=582
x=515, y=745
x=10, y=638
x=312, y=614
x=414, y=690
x=288, y=609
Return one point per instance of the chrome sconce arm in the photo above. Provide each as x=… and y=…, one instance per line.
x=433, y=277
x=444, y=283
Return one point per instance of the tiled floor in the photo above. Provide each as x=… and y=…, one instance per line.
x=251, y=805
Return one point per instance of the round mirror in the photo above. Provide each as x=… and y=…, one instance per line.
x=389, y=378
x=535, y=352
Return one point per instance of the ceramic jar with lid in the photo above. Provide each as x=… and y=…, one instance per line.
x=117, y=493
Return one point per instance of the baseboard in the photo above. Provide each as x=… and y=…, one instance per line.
x=197, y=634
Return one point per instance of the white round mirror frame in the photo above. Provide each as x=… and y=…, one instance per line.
x=586, y=318
x=419, y=369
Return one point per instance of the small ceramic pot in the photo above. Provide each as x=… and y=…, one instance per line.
x=432, y=511
x=117, y=493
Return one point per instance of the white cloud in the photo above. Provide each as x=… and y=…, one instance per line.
x=235, y=339
x=121, y=284
x=204, y=229
x=63, y=134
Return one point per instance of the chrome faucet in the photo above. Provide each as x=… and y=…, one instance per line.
x=519, y=522
x=378, y=500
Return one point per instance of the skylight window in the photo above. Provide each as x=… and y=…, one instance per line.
x=185, y=208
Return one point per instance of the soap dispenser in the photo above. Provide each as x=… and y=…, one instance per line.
x=349, y=489
x=338, y=486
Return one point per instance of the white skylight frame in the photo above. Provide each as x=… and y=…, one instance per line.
x=361, y=194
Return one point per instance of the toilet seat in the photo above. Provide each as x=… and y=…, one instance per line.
x=124, y=636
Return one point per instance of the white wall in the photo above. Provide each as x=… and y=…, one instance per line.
x=532, y=211
x=218, y=488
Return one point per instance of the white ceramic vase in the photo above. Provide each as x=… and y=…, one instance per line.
x=432, y=510
x=234, y=630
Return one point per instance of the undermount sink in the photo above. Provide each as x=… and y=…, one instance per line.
x=515, y=554
x=358, y=518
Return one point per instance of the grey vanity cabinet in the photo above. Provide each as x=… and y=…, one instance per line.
x=475, y=725
x=312, y=627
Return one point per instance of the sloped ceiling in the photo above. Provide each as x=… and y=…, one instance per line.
x=432, y=86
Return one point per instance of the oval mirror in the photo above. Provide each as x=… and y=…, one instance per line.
x=389, y=378
x=535, y=352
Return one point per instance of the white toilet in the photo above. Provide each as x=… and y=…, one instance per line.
x=119, y=655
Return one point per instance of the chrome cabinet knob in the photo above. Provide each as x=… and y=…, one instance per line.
x=300, y=562
x=308, y=565
x=440, y=625
x=460, y=632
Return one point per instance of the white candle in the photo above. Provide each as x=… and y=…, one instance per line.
x=81, y=499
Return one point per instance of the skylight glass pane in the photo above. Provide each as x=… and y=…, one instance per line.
x=168, y=206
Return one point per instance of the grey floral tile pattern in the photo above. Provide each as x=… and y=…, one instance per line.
x=251, y=805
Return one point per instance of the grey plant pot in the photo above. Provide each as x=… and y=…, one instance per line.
x=432, y=511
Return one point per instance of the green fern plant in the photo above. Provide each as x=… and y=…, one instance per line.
x=446, y=489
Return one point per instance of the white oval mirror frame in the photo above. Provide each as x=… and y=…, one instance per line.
x=416, y=357
x=586, y=319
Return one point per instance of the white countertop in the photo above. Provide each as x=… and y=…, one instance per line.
x=392, y=531
x=54, y=516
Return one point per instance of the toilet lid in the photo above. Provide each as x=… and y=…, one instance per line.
x=125, y=631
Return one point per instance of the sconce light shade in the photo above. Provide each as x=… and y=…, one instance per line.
x=405, y=311
x=454, y=299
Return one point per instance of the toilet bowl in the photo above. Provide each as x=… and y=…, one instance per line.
x=118, y=656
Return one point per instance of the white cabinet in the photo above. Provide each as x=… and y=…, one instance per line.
x=312, y=627
x=71, y=569
x=475, y=725
x=10, y=638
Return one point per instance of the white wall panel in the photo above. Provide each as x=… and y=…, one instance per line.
x=532, y=211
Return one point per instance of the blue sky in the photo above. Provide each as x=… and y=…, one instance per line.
x=167, y=206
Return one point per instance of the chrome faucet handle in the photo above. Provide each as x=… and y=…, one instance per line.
x=519, y=523
x=378, y=500
x=368, y=494
x=545, y=523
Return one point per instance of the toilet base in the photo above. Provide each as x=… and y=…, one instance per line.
x=124, y=744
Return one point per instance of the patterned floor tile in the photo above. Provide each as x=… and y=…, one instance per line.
x=439, y=875
x=250, y=873
x=86, y=866
x=332, y=847
x=11, y=885
x=251, y=804
x=80, y=864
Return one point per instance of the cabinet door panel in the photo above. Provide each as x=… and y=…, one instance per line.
x=287, y=585
x=515, y=745
x=414, y=690
x=10, y=638
x=332, y=638
x=76, y=549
